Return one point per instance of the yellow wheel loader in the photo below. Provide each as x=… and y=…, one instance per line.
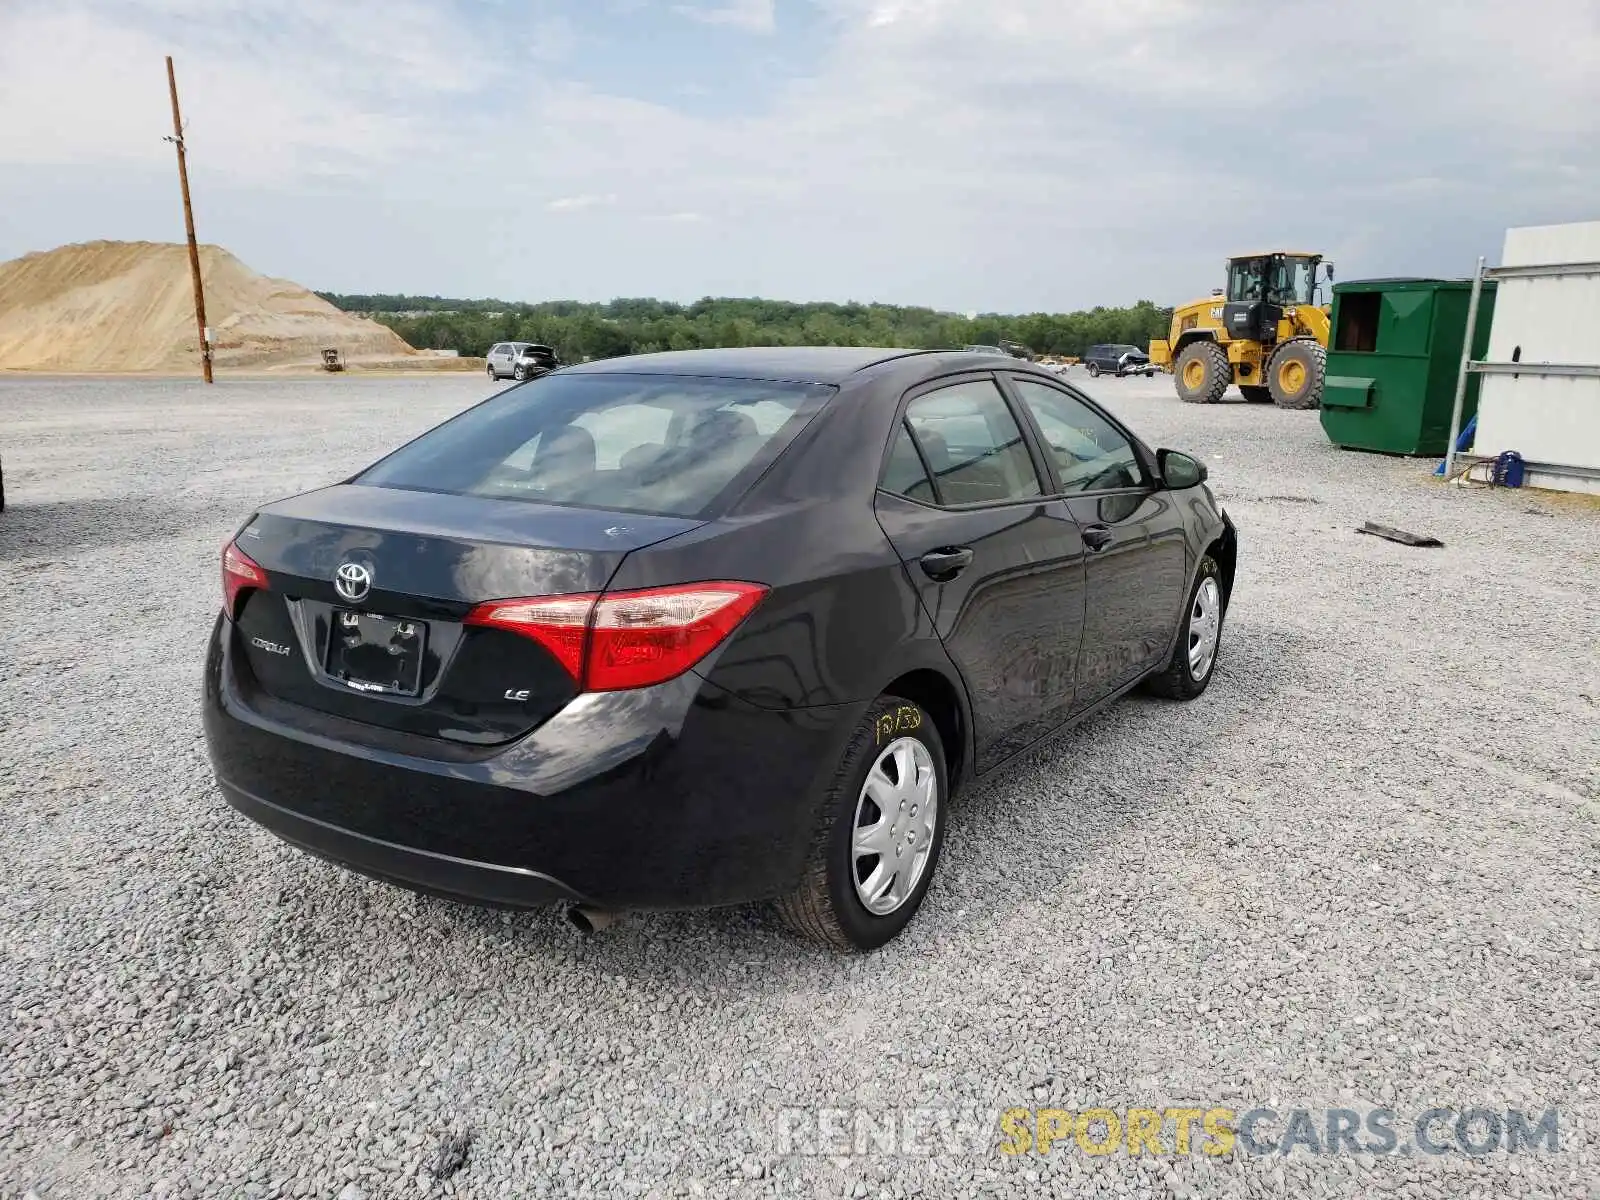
x=1265, y=332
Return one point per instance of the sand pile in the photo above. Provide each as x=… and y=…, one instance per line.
x=129, y=306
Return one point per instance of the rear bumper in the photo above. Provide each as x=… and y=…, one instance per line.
x=423, y=870
x=667, y=797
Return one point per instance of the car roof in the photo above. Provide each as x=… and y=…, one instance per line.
x=798, y=364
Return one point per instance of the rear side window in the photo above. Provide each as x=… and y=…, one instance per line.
x=973, y=445
x=904, y=474
x=661, y=444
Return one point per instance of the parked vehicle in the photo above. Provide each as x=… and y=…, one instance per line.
x=1112, y=358
x=520, y=360
x=1005, y=350
x=662, y=632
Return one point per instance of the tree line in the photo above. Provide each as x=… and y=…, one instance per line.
x=578, y=330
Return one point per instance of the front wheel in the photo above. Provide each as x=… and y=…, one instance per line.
x=1194, y=656
x=880, y=830
x=1295, y=373
x=1201, y=372
x=519, y=373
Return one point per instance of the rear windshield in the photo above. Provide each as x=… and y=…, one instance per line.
x=662, y=444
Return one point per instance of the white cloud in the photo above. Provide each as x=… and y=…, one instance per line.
x=753, y=16
x=312, y=92
x=578, y=203
x=1014, y=153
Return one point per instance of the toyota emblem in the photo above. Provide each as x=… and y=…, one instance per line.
x=352, y=581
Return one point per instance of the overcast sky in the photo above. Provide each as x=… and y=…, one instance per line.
x=996, y=155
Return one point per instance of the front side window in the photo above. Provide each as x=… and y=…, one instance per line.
x=1090, y=453
x=658, y=444
x=1291, y=281
x=972, y=444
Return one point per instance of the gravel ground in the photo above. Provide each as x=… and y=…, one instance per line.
x=1363, y=869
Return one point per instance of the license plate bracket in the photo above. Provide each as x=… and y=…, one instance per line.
x=371, y=653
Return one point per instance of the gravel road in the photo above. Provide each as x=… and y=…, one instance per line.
x=1363, y=870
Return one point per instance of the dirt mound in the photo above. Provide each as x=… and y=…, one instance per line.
x=129, y=306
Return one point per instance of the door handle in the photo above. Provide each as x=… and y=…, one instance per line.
x=1097, y=537
x=945, y=563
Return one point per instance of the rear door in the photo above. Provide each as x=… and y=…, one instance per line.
x=999, y=568
x=1137, y=563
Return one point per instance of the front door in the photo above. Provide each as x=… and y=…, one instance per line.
x=999, y=567
x=1137, y=563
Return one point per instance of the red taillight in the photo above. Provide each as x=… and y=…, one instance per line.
x=240, y=573
x=558, y=623
x=623, y=640
x=640, y=638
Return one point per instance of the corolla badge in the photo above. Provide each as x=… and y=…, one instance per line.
x=352, y=581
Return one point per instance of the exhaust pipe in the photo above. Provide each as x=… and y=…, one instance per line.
x=588, y=920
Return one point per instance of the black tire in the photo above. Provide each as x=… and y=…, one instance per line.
x=1178, y=680
x=825, y=908
x=493, y=378
x=519, y=373
x=1094, y=370
x=1312, y=359
x=1256, y=393
x=1214, y=371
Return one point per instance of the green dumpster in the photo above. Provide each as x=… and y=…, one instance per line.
x=1393, y=359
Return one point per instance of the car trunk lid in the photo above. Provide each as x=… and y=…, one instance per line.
x=370, y=591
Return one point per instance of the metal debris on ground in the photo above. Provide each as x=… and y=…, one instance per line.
x=1399, y=535
x=452, y=1154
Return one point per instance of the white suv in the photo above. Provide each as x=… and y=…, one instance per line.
x=521, y=360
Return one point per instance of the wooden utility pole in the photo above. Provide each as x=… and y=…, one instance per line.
x=188, y=224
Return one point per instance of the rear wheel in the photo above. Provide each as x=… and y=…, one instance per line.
x=1295, y=373
x=1201, y=372
x=1194, y=656
x=881, y=829
x=1256, y=393
x=1094, y=370
x=492, y=376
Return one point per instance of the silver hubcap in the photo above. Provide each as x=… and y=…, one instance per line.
x=1205, y=627
x=896, y=816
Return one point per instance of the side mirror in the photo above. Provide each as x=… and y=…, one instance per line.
x=1179, y=471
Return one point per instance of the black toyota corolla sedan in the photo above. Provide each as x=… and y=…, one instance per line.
x=705, y=628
